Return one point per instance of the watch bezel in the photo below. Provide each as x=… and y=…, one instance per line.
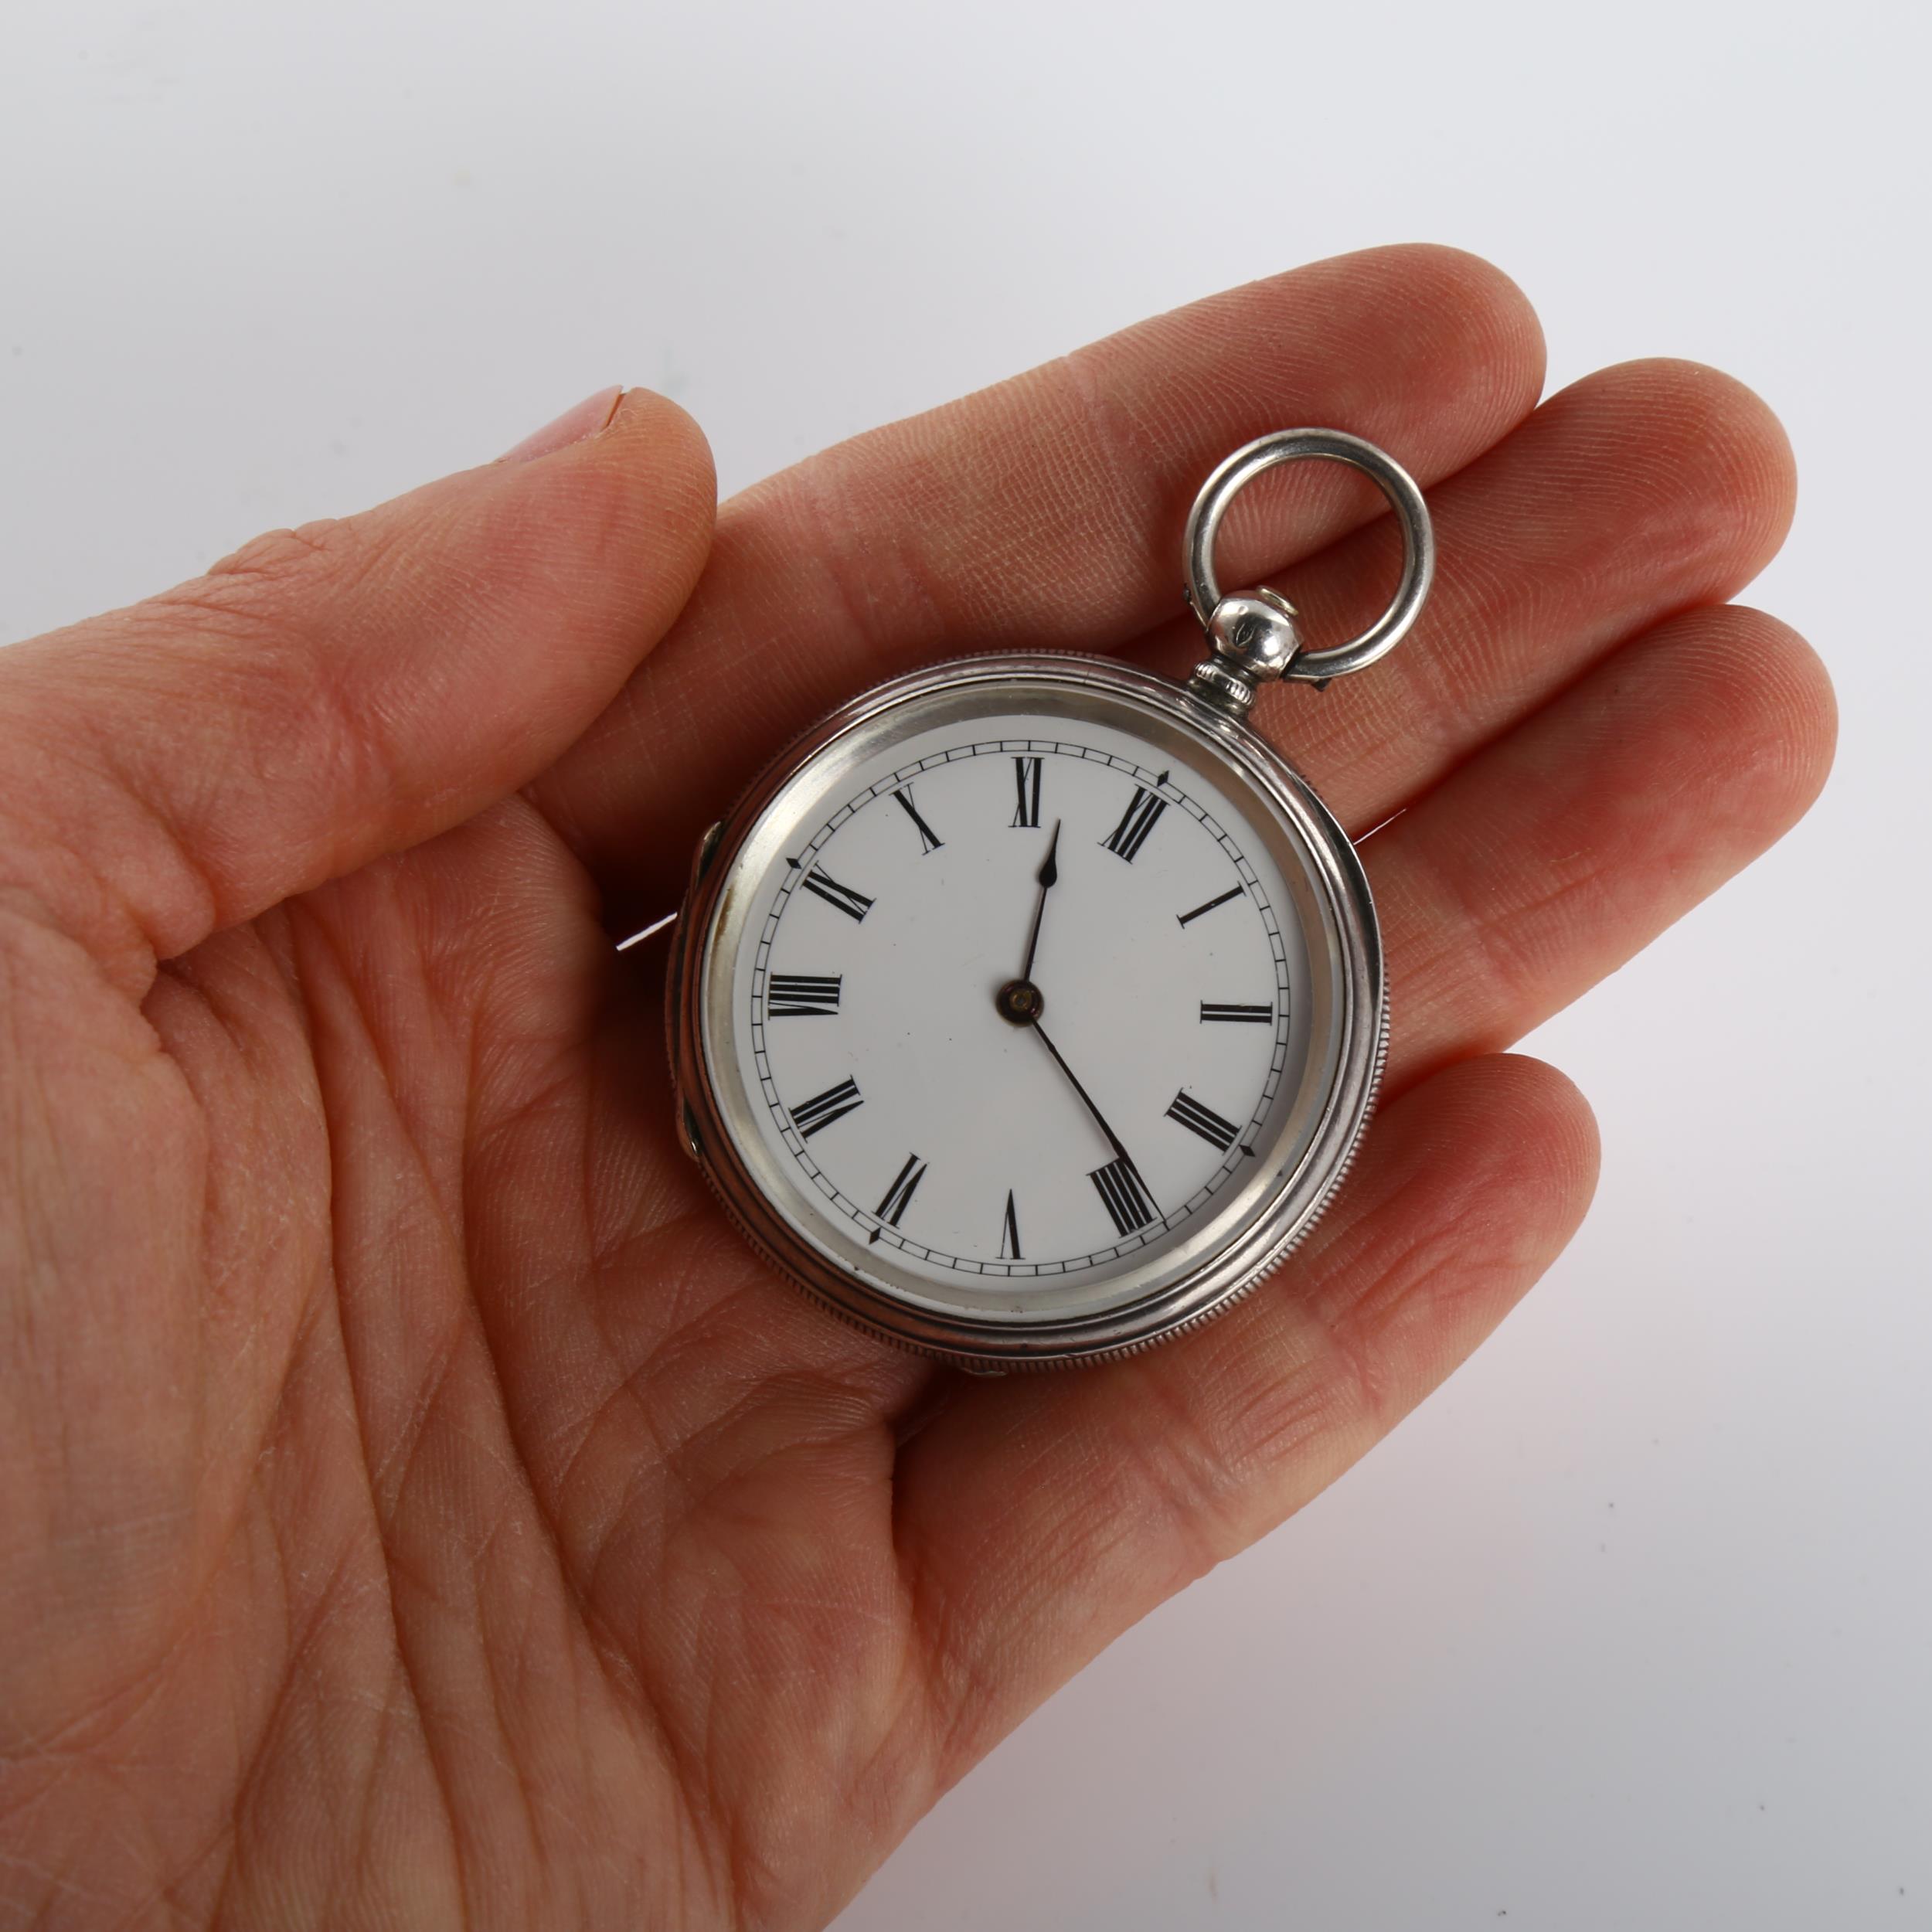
x=715, y=1117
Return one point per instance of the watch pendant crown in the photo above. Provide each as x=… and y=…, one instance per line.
x=1256, y=639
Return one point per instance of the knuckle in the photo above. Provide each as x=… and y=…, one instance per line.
x=269, y=594
x=277, y=557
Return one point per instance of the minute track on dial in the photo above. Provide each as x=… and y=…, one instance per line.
x=904, y=882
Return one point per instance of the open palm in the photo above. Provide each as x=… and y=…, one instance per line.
x=416, y=1503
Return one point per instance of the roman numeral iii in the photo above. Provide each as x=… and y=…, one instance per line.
x=1026, y=775
x=1253, y=1016
x=929, y=840
x=1142, y=814
x=814, y=1116
x=898, y=1196
x=854, y=905
x=1203, y=1120
x=1119, y=1187
x=800, y=995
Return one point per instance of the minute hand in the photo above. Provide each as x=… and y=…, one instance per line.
x=1113, y=1140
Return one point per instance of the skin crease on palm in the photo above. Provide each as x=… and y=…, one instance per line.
x=416, y=1505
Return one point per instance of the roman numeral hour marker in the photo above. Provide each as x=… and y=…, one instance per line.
x=814, y=1116
x=1126, y=1200
x=898, y=1196
x=1009, y=1233
x=1142, y=814
x=1203, y=1120
x=1233, y=892
x=929, y=840
x=854, y=905
x=799, y=995
x=1026, y=775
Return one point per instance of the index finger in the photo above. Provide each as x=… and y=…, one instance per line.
x=1045, y=512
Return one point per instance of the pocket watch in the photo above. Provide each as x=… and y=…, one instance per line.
x=1029, y=1008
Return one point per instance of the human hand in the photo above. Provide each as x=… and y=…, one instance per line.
x=415, y=1502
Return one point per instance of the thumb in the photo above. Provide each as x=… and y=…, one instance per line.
x=329, y=694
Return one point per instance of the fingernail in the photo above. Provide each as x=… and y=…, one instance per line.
x=585, y=419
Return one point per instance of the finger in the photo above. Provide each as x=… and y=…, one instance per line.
x=1047, y=511
x=1635, y=794
x=1551, y=858
x=1635, y=492
x=330, y=694
x=1039, y=1517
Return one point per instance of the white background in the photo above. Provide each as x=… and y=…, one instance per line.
x=1631, y=1626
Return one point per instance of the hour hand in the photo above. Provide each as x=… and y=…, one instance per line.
x=1047, y=877
x=1049, y=871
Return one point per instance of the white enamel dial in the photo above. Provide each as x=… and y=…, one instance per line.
x=1167, y=965
x=1032, y=1009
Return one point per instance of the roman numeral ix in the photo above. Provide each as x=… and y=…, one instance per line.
x=1026, y=772
x=1142, y=814
x=799, y=995
x=814, y=1116
x=898, y=1196
x=1203, y=1120
x=1126, y=1200
x=854, y=905
x=929, y=840
x=1254, y=1015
